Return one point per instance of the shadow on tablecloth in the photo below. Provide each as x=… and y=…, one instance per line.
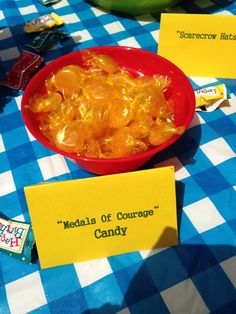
x=183, y=279
x=13, y=40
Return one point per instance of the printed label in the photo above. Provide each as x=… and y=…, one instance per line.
x=12, y=235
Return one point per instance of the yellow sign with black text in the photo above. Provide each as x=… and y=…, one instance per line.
x=96, y=217
x=199, y=44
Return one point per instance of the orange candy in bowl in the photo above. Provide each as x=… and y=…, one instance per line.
x=108, y=109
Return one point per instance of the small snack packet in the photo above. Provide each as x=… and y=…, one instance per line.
x=23, y=69
x=209, y=98
x=16, y=239
x=49, y=2
x=43, y=22
x=47, y=39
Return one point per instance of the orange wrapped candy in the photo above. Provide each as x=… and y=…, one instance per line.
x=102, y=111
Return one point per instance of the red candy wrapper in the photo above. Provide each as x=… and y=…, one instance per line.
x=23, y=69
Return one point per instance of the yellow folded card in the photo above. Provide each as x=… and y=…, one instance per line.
x=200, y=44
x=97, y=217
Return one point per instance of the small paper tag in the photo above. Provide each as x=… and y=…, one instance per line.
x=102, y=216
x=199, y=44
x=12, y=235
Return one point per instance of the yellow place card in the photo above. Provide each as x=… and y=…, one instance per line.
x=85, y=219
x=199, y=44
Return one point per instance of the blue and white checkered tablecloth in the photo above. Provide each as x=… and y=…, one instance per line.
x=199, y=275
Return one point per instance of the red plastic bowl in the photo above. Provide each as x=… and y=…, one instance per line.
x=136, y=61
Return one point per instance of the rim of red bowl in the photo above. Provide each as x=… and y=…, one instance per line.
x=102, y=49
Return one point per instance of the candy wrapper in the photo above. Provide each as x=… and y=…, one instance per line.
x=47, y=39
x=16, y=239
x=23, y=69
x=44, y=22
x=49, y=2
x=210, y=98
